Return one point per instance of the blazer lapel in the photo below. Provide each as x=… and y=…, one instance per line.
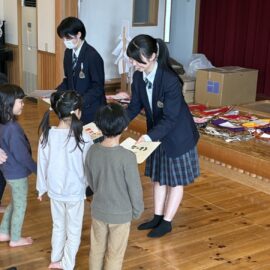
x=80, y=60
x=156, y=89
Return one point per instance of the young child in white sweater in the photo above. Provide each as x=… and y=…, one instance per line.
x=61, y=154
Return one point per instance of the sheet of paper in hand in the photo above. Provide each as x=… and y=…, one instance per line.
x=92, y=130
x=141, y=150
x=47, y=100
x=41, y=93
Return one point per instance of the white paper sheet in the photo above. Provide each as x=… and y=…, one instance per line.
x=141, y=150
x=47, y=100
x=228, y=125
x=41, y=93
x=92, y=130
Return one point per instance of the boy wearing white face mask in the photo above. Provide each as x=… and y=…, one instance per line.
x=83, y=68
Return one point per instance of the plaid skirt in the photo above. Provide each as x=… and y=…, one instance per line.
x=173, y=171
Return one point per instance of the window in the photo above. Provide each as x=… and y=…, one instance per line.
x=145, y=12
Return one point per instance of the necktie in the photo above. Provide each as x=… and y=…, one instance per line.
x=74, y=61
x=148, y=83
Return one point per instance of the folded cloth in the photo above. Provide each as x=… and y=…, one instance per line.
x=228, y=125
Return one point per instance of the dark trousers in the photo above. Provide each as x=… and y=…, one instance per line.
x=2, y=185
x=89, y=192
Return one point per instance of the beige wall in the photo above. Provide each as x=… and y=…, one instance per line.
x=182, y=30
x=10, y=14
x=103, y=26
x=1, y=9
x=46, y=25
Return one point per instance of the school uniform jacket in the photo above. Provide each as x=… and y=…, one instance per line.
x=91, y=87
x=170, y=121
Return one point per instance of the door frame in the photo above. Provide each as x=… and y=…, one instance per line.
x=63, y=8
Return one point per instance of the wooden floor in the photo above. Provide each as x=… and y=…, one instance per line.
x=221, y=224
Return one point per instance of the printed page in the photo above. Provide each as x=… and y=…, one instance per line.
x=141, y=150
x=92, y=130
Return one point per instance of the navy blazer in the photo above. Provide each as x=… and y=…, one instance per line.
x=171, y=121
x=91, y=88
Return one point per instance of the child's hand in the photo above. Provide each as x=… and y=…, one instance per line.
x=39, y=198
x=3, y=156
x=140, y=140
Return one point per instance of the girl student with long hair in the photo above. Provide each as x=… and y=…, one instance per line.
x=61, y=154
x=17, y=167
x=157, y=89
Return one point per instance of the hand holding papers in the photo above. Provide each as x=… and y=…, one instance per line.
x=92, y=130
x=122, y=97
x=142, y=150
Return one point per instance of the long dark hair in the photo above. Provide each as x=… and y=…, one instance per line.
x=64, y=105
x=8, y=94
x=146, y=45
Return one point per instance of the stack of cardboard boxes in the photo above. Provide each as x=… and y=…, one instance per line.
x=188, y=88
x=188, y=82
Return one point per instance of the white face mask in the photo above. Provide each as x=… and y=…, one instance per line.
x=69, y=44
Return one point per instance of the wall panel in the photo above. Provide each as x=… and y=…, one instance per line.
x=46, y=70
x=13, y=67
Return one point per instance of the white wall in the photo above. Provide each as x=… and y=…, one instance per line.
x=10, y=13
x=1, y=9
x=182, y=30
x=103, y=20
x=46, y=25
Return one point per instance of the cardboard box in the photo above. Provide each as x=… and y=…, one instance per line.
x=226, y=86
x=188, y=88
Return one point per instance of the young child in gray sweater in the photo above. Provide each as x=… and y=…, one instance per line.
x=112, y=174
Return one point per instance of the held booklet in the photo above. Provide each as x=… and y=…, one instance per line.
x=142, y=150
x=92, y=130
